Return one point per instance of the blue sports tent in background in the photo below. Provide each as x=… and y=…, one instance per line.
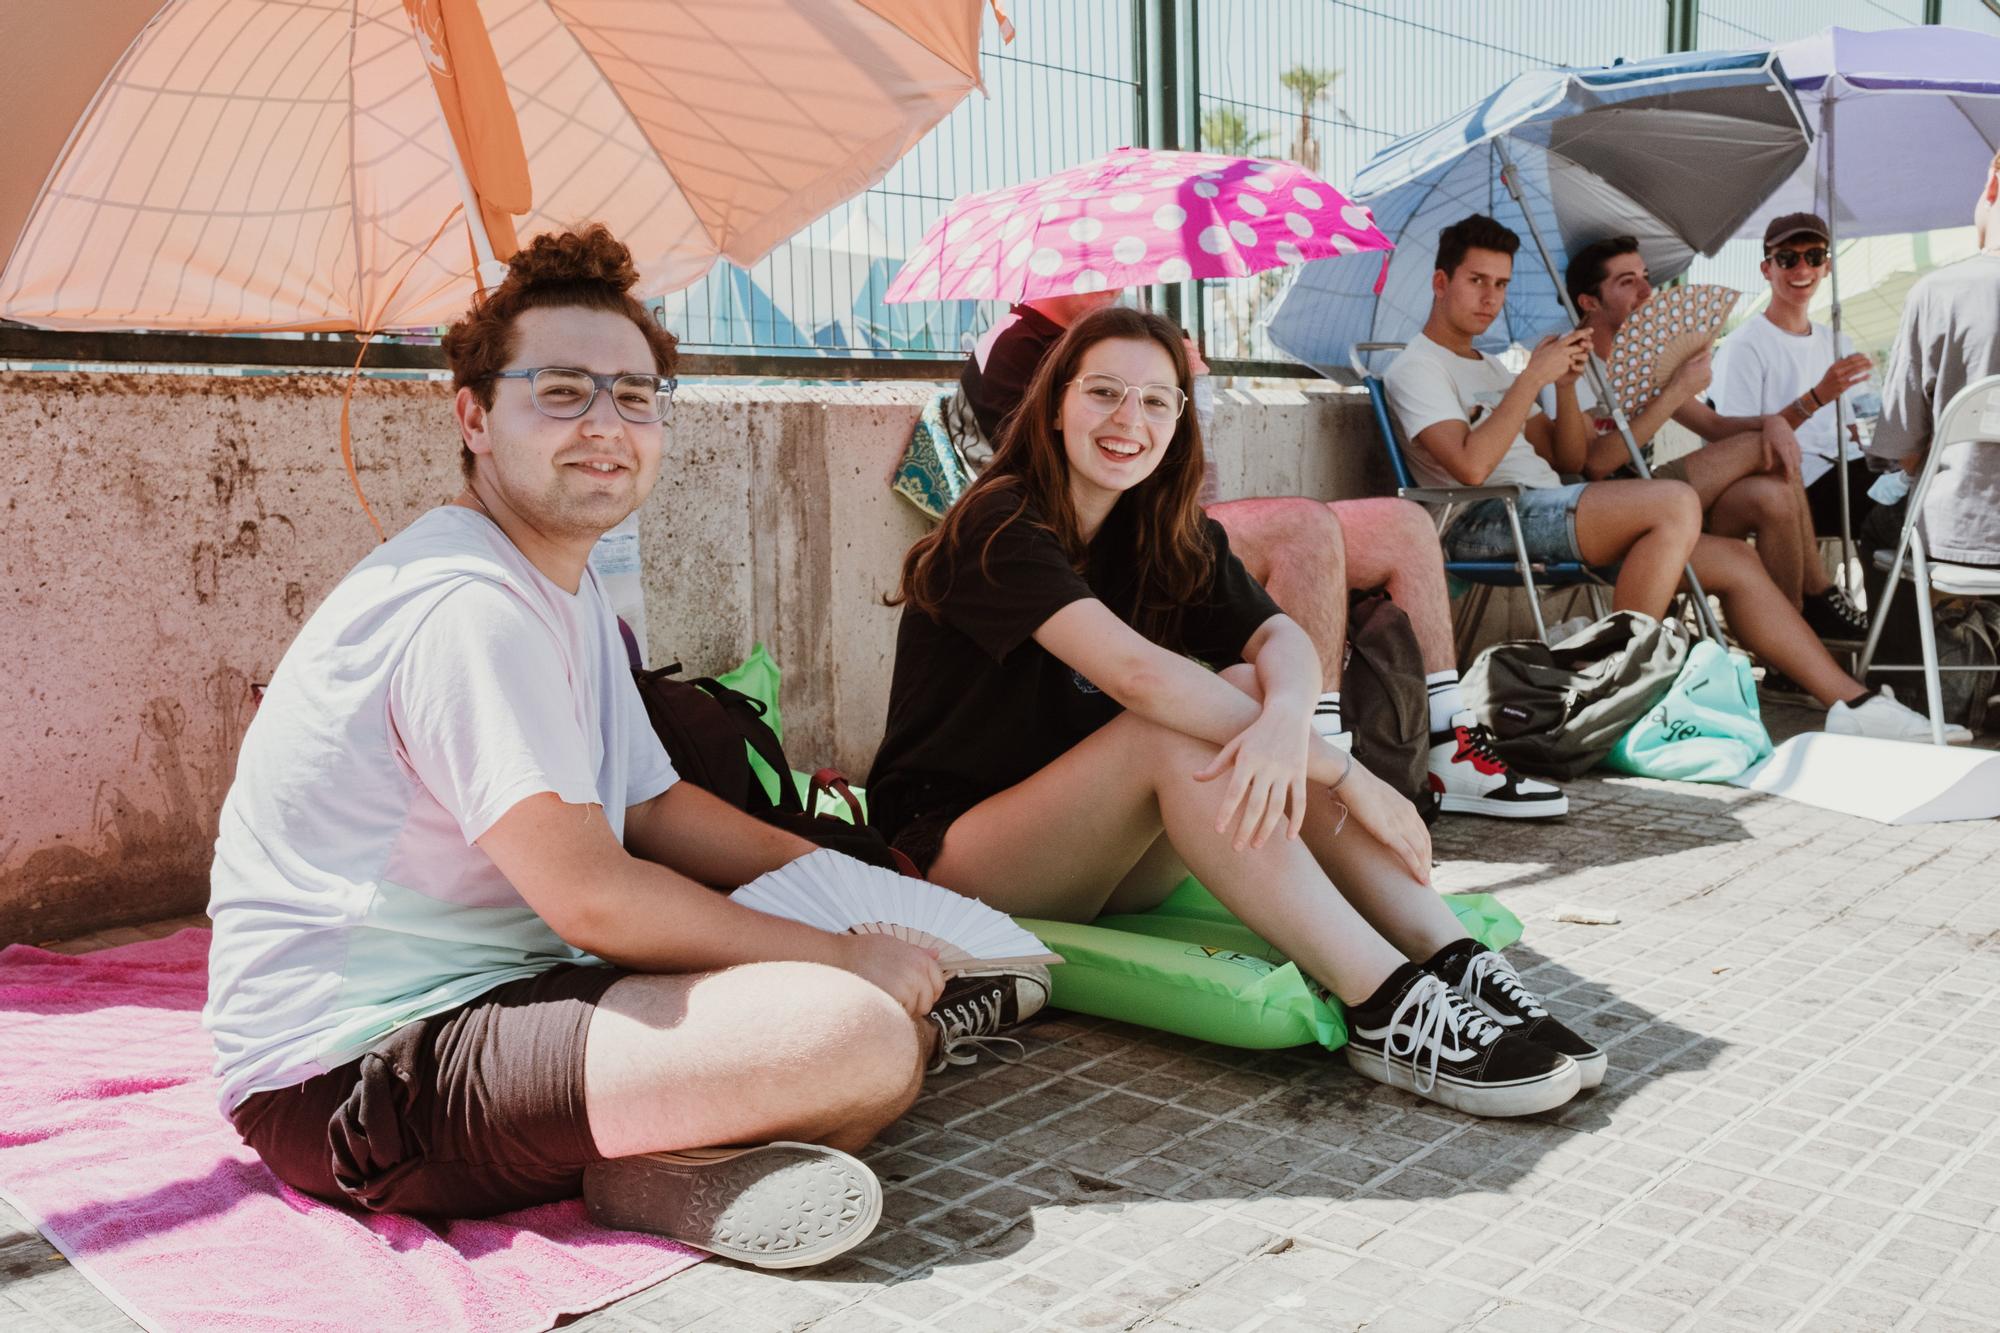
x=1678, y=151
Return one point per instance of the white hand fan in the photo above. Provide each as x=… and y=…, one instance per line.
x=1675, y=325
x=839, y=893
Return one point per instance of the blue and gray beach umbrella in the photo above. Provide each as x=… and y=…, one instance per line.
x=1678, y=151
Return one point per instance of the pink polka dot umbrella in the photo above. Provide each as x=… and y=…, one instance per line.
x=1132, y=218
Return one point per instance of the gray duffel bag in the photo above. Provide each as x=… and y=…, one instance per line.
x=1556, y=711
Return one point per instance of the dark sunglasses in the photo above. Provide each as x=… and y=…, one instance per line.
x=1788, y=259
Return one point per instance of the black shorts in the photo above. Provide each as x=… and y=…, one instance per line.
x=473, y=1111
x=1823, y=498
x=916, y=814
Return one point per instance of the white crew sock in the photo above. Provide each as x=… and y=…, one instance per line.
x=1326, y=715
x=1447, y=700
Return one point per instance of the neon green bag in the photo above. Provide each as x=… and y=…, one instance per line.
x=1706, y=729
x=1191, y=968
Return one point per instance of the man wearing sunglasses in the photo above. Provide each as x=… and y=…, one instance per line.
x=1782, y=362
x=1747, y=471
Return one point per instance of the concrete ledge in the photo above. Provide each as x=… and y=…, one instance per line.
x=165, y=536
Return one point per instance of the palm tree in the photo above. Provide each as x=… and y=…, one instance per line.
x=1224, y=131
x=1309, y=86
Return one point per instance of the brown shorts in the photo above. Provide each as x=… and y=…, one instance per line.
x=1674, y=469
x=473, y=1111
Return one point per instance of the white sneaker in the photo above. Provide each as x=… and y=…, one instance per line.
x=1471, y=778
x=1882, y=717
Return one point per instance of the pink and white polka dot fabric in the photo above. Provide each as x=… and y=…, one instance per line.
x=1132, y=218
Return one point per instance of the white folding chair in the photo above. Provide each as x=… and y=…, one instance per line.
x=1971, y=420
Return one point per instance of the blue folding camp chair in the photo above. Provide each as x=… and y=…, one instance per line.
x=1529, y=575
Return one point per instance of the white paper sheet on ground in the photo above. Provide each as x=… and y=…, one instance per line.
x=1894, y=782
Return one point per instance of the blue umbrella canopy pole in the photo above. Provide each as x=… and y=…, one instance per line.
x=1510, y=176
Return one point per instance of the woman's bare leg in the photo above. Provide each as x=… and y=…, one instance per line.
x=1062, y=843
x=1646, y=528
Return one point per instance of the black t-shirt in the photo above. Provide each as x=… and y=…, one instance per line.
x=976, y=705
x=994, y=390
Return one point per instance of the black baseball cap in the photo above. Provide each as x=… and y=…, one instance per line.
x=1796, y=224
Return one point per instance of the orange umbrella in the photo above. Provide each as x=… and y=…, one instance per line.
x=259, y=165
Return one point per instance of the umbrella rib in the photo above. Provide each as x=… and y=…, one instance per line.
x=617, y=95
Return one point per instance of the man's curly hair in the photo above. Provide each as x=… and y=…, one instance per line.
x=588, y=268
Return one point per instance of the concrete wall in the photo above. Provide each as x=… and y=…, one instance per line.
x=163, y=537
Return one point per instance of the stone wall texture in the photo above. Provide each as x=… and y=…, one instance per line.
x=164, y=536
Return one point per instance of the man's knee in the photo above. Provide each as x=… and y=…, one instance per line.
x=1676, y=507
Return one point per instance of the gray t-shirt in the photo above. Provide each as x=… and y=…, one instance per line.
x=1950, y=337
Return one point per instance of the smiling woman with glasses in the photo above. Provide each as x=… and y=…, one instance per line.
x=566, y=393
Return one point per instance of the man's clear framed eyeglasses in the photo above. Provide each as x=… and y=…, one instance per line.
x=1159, y=403
x=566, y=393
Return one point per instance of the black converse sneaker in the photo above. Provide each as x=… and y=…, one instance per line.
x=1833, y=615
x=776, y=1205
x=976, y=1007
x=1424, y=1037
x=1471, y=778
x=1490, y=982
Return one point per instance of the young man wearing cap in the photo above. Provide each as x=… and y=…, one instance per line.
x=1471, y=422
x=1950, y=337
x=1308, y=554
x=1782, y=362
x=1746, y=472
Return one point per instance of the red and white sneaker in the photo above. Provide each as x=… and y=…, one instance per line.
x=1471, y=778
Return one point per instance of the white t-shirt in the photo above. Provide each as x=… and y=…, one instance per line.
x=443, y=681
x=1428, y=384
x=1760, y=369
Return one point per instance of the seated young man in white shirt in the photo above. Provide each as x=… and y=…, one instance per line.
x=1747, y=472
x=1780, y=361
x=1469, y=422
x=467, y=956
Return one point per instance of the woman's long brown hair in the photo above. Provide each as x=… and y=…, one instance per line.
x=1030, y=468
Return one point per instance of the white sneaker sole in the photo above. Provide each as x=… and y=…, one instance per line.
x=780, y=1205
x=1493, y=1100
x=1554, y=808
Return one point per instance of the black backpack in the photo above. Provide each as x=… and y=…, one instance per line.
x=1384, y=700
x=709, y=732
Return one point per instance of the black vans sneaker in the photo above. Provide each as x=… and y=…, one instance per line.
x=1419, y=1034
x=1471, y=778
x=776, y=1205
x=1834, y=617
x=976, y=1007
x=1490, y=982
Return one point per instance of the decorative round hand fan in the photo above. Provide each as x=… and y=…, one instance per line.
x=839, y=893
x=1676, y=325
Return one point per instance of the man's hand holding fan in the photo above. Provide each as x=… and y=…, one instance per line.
x=1657, y=344
x=840, y=894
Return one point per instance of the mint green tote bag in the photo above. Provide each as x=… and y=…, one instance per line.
x=1706, y=729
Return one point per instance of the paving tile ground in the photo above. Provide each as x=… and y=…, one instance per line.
x=1798, y=1130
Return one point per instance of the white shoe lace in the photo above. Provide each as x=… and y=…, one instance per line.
x=971, y=1023
x=1437, y=1014
x=1488, y=968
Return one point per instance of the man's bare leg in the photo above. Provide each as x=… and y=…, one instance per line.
x=1293, y=546
x=1742, y=501
x=1648, y=528
x=1393, y=544
x=1768, y=625
x=765, y=1051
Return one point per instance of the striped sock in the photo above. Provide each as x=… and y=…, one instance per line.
x=1447, y=700
x=1326, y=715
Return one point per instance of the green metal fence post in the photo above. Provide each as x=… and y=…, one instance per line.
x=1683, y=24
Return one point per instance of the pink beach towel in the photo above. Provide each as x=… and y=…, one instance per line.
x=110, y=1143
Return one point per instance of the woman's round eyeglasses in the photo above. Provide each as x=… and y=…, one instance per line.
x=566, y=393
x=1160, y=403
